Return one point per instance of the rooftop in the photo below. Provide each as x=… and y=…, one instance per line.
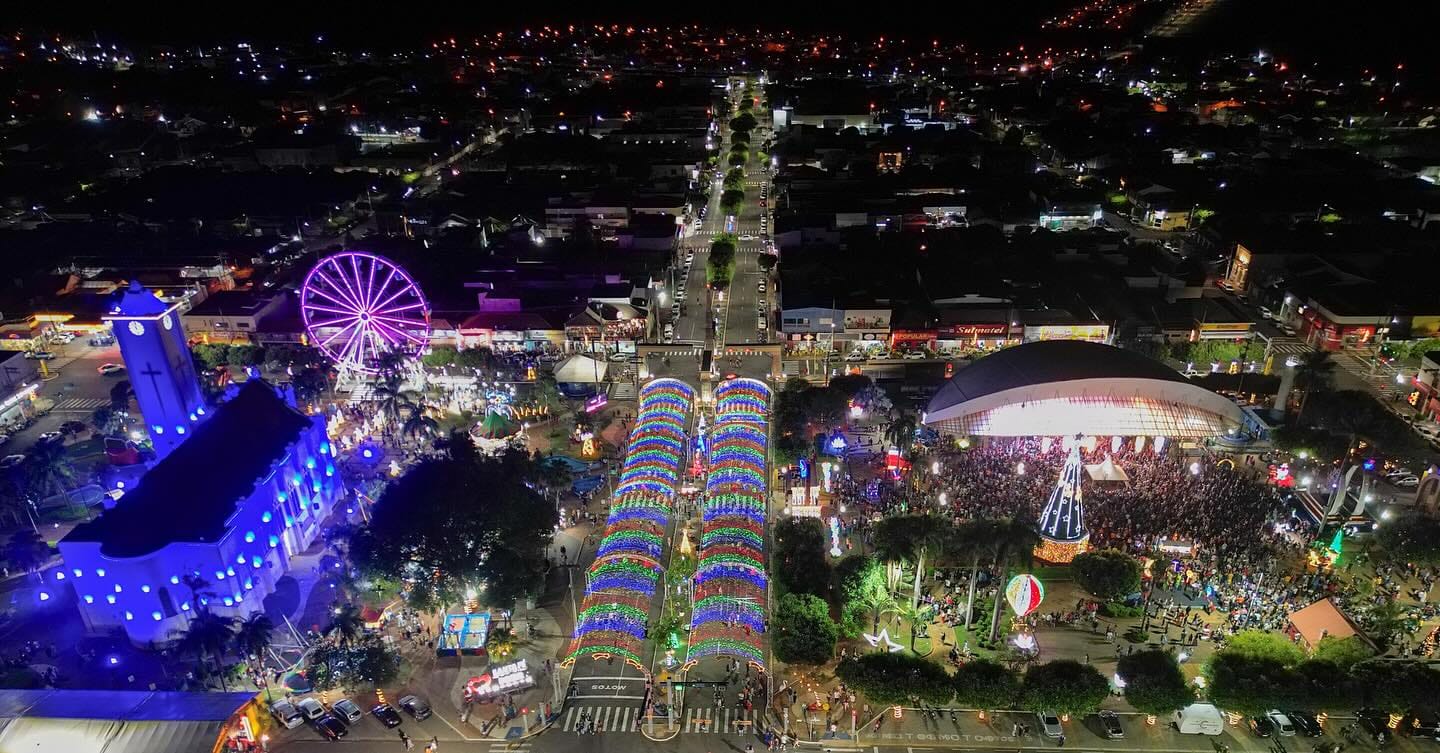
x=196, y=487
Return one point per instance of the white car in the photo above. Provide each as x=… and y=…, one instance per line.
x=106, y=369
x=1050, y=724
x=762, y=324
x=914, y=355
x=747, y=237
x=286, y=714
x=762, y=286
x=855, y=356
x=311, y=708
x=1283, y=726
x=1428, y=430
x=1405, y=482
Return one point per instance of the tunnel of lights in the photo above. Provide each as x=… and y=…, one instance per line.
x=730, y=579
x=622, y=581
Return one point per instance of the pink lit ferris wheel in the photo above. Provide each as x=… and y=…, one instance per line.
x=357, y=306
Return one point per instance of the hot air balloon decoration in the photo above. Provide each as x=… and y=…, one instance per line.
x=1024, y=592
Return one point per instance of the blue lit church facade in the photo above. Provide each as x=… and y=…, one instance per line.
x=236, y=491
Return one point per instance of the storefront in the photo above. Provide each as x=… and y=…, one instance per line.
x=966, y=338
x=913, y=339
x=1095, y=333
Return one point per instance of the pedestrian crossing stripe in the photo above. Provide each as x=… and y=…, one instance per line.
x=76, y=403
x=629, y=718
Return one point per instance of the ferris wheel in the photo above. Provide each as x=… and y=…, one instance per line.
x=357, y=306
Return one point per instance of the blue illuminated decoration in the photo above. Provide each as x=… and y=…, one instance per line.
x=803, y=466
x=255, y=561
x=100, y=571
x=266, y=517
x=219, y=575
x=59, y=575
x=155, y=616
x=109, y=598
x=117, y=588
x=837, y=442
x=249, y=537
x=44, y=595
x=174, y=580
x=78, y=572
x=129, y=615
x=310, y=463
x=192, y=416
x=185, y=607
x=239, y=560
x=145, y=588
x=281, y=496
x=274, y=541
x=158, y=429
x=179, y=429
x=89, y=599
x=229, y=571
x=229, y=602
x=200, y=410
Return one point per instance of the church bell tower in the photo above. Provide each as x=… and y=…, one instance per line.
x=159, y=365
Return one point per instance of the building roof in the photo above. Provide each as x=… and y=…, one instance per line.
x=1321, y=620
x=1069, y=387
x=115, y=721
x=196, y=487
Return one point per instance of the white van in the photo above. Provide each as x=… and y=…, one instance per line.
x=1199, y=719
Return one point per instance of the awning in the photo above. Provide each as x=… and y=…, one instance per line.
x=165, y=737
x=68, y=735
x=581, y=370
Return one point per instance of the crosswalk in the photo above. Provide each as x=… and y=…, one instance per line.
x=81, y=404
x=629, y=718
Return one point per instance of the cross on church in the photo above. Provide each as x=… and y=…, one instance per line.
x=153, y=372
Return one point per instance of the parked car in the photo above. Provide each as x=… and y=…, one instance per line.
x=387, y=715
x=311, y=708
x=1282, y=723
x=1405, y=482
x=915, y=355
x=416, y=706
x=286, y=714
x=1262, y=726
x=1421, y=723
x=1110, y=725
x=51, y=436
x=329, y=727
x=747, y=237
x=40, y=355
x=1306, y=723
x=1373, y=721
x=108, y=369
x=1050, y=724
x=347, y=710
x=855, y=356
x=10, y=461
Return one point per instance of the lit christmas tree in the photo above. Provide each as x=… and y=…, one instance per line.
x=1062, y=524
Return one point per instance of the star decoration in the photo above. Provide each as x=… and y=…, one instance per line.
x=884, y=635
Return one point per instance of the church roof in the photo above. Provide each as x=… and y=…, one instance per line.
x=137, y=300
x=196, y=488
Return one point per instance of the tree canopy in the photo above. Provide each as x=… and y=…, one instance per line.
x=896, y=678
x=800, y=559
x=985, y=684
x=1108, y=574
x=1064, y=687
x=365, y=664
x=802, y=631
x=862, y=593
x=459, y=522
x=1154, y=683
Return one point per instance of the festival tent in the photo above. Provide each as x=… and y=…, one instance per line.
x=579, y=369
x=496, y=426
x=1321, y=620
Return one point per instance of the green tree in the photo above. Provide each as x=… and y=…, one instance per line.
x=1154, y=683
x=1413, y=536
x=802, y=630
x=48, y=470
x=888, y=678
x=473, y=520
x=209, y=636
x=860, y=583
x=368, y=663
x=1108, y=574
x=26, y=551
x=720, y=264
x=1342, y=652
x=801, y=564
x=1325, y=685
x=1315, y=373
x=985, y=684
x=1259, y=644
x=1064, y=687
x=730, y=201
x=910, y=539
x=1015, y=542
x=1395, y=686
x=1251, y=683
x=743, y=122
x=900, y=432
x=346, y=625
x=737, y=159
x=439, y=355
x=253, y=636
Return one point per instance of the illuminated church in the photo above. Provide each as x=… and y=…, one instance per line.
x=235, y=491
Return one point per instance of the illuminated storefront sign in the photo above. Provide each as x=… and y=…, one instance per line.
x=505, y=678
x=1091, y=332
x=975, y=330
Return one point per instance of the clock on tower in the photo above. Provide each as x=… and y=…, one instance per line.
x=158, y=360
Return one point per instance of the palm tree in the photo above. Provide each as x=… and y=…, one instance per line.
x=1015, y=542
x=901, y=431
x=27, y=551
x=120, y=396
x=48, y=469
x=876, y=602
x=1315, y=373
x=909, y=538
x=418, y=424
x=253, y=636
x=974, y=539
x=209, y=635
x=911, y=613
x=501, y=642
x=346, y=624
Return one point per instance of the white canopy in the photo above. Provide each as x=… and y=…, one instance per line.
x=580, y=369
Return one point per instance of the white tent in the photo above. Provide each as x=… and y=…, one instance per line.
x=579, y=369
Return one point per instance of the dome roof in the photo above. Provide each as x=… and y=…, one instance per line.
x=1066, y=387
